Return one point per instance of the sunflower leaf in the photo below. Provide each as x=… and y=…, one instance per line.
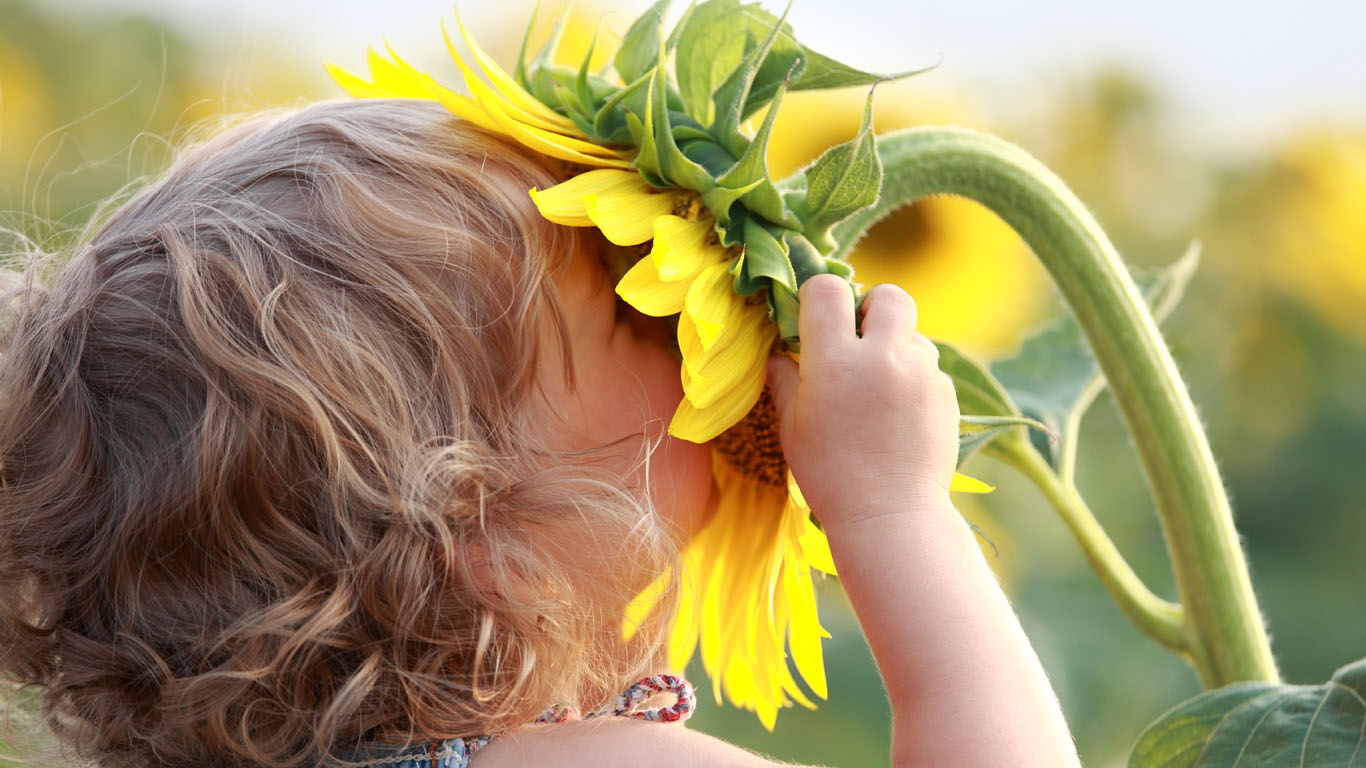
x=844, y=179
x=639, y=51
x=711, y=45
x=980, y=397
x=1262, y=724
x=813, y=71
x=1054, y=373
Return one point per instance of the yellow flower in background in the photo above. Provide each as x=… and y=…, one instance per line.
x=974, y=280
x=1312, y=230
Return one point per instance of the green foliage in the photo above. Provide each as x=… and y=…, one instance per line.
x=1054, y=377
x=844, y=180
x=728, y=61
x=1262, y=724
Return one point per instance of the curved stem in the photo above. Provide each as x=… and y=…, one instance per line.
x=1159, y=619
x=1225, y=634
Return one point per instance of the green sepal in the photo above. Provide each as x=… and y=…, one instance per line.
x=573, y=108
x=711, y=45
x=785, y=309
x=519, y=72
x=581, y=87
x=676, y=167
x=647, y=160
x=612, y=110
x=839, y=267
x=843, y=180
x=707, y=153
x=539, y=79
x=639, y=51
x=743, y=284
x=730, y=98
x=684, y=133
x=733, y=232
x=806, y=261
x=721, y=202
x=752, y=166
x=766, y=255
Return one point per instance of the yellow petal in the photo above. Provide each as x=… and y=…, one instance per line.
x=353, y=83
x=627, y=218
x=642, y=288
x=965, y=484
x=680, y=250
x=393, y=79
x=563, y=203
x=702, y=424
x=712, y=303
x=508, y=87
x=805, y=632
x=457, y=104
x=525, y=130
x=730, y=365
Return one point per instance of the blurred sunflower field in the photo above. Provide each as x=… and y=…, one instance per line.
x=1271, y=336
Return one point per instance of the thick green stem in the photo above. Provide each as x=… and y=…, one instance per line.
x=1225, y=635
x=1159, y=619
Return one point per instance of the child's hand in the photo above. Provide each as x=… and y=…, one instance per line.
x=868, y=424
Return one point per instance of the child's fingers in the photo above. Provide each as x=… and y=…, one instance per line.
x=889, y=314
x=783, y=377
x=826, y=318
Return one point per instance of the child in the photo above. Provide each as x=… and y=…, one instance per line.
x=327, y=447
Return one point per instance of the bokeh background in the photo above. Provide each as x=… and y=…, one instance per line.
x=1241, y=125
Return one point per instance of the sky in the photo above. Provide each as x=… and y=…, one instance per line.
x=1236, y=75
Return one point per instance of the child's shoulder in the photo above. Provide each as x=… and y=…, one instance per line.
x=610, y=742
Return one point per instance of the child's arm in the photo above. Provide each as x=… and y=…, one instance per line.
x=869, y=427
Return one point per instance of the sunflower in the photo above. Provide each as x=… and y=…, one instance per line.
x=724, y=256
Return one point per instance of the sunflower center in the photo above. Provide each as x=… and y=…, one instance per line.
x=752, y=446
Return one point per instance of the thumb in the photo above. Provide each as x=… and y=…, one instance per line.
x=783, y=377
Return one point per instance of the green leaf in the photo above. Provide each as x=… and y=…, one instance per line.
x=639, y=51
x=1054, y=373
x=1252, y=725
x=766, y=256
x=711, y=46
x=980, y=397
x=813, y=71
x=845, y=179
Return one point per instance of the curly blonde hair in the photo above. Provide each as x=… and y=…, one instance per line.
x=272, y=482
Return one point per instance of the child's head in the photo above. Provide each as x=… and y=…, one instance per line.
x=277, y=472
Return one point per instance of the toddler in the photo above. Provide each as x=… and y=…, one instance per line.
x=328, y=448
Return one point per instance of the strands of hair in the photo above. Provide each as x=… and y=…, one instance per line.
x=272, y=480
